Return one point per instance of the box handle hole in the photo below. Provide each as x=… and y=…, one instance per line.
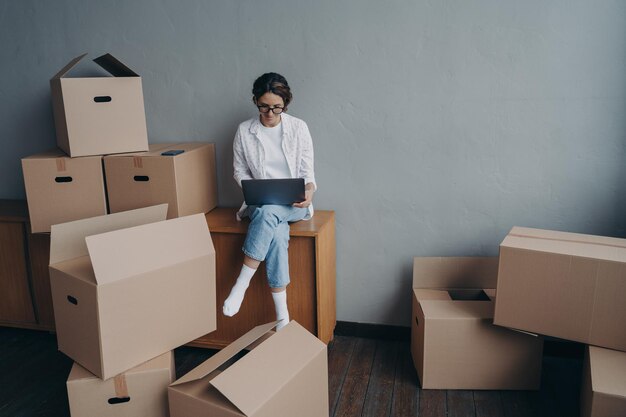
x=417, y=322
x=118, y=400
x=141, y=178
x=102, y=99
x=63, y=179
x=72, y=300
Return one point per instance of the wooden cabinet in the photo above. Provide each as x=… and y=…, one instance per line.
x=310, y=295
x=25, y=299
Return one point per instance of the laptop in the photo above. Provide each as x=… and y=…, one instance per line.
x=283, y=191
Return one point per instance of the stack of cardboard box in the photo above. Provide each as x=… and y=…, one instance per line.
x=477, y=322
x=131, y=286
x=571, y=286
x=103, y=163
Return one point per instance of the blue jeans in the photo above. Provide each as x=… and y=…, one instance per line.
x=268, y=239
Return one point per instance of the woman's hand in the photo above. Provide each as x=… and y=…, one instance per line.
x=308, y=196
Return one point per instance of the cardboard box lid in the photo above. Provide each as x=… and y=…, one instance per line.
x=68, y=240
x=608, y=371
x=148, y=247
x=257, y=377
x=564, y=243
x=455, y=272
x=107, y=61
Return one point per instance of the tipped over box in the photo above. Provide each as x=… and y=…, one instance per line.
x=565, y=285
x=285, y=374
x=454, y=343
x=130, y=286
x=138, y=392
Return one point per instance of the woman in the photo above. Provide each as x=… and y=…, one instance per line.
x=272, y=145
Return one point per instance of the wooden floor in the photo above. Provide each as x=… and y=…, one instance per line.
x=367, y=377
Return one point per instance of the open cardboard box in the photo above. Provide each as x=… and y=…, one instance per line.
x=187, y=181
x=284, y=374
x=130, y=286
x=60, y=189
x=453, y=341
x=603, y=392
x=138, y=392
x=563, y=285
x=99, y=115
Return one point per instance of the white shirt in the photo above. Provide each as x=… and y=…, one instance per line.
x=275, y=161
x=249, y=153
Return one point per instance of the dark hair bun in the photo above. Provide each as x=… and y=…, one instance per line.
x=272, y=82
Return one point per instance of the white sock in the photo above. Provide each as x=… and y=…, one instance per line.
x=233, y=302
x=282, y=313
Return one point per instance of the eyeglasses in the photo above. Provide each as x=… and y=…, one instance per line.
x=266, y=109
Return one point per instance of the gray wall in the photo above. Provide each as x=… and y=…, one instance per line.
x=437, y=125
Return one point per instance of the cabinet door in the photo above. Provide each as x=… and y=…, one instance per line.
x=258, y=306
x=15, y=299
x=39, y=250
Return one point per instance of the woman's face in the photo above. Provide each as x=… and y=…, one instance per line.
x=267, y=102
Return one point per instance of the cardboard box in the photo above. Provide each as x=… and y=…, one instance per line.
x=564, y=285
x=603, y=391
x=60, y=189
x=187, y=182
x=139, y=392
x=99, y=115
x=453, y=341
x=129, y=286
x=285, y=374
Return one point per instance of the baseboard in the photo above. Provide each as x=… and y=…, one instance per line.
x=373, y=331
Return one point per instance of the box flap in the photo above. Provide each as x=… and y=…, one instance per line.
x=257, y=377
x=440, y=295
x=608, y=371
x=67, y=240
x=564, y=243
x=79, y=268
x=136, y=250
x=225, y=354
x=455, y=272
x=440, y=309
x=114, y=67
x=68, y=67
